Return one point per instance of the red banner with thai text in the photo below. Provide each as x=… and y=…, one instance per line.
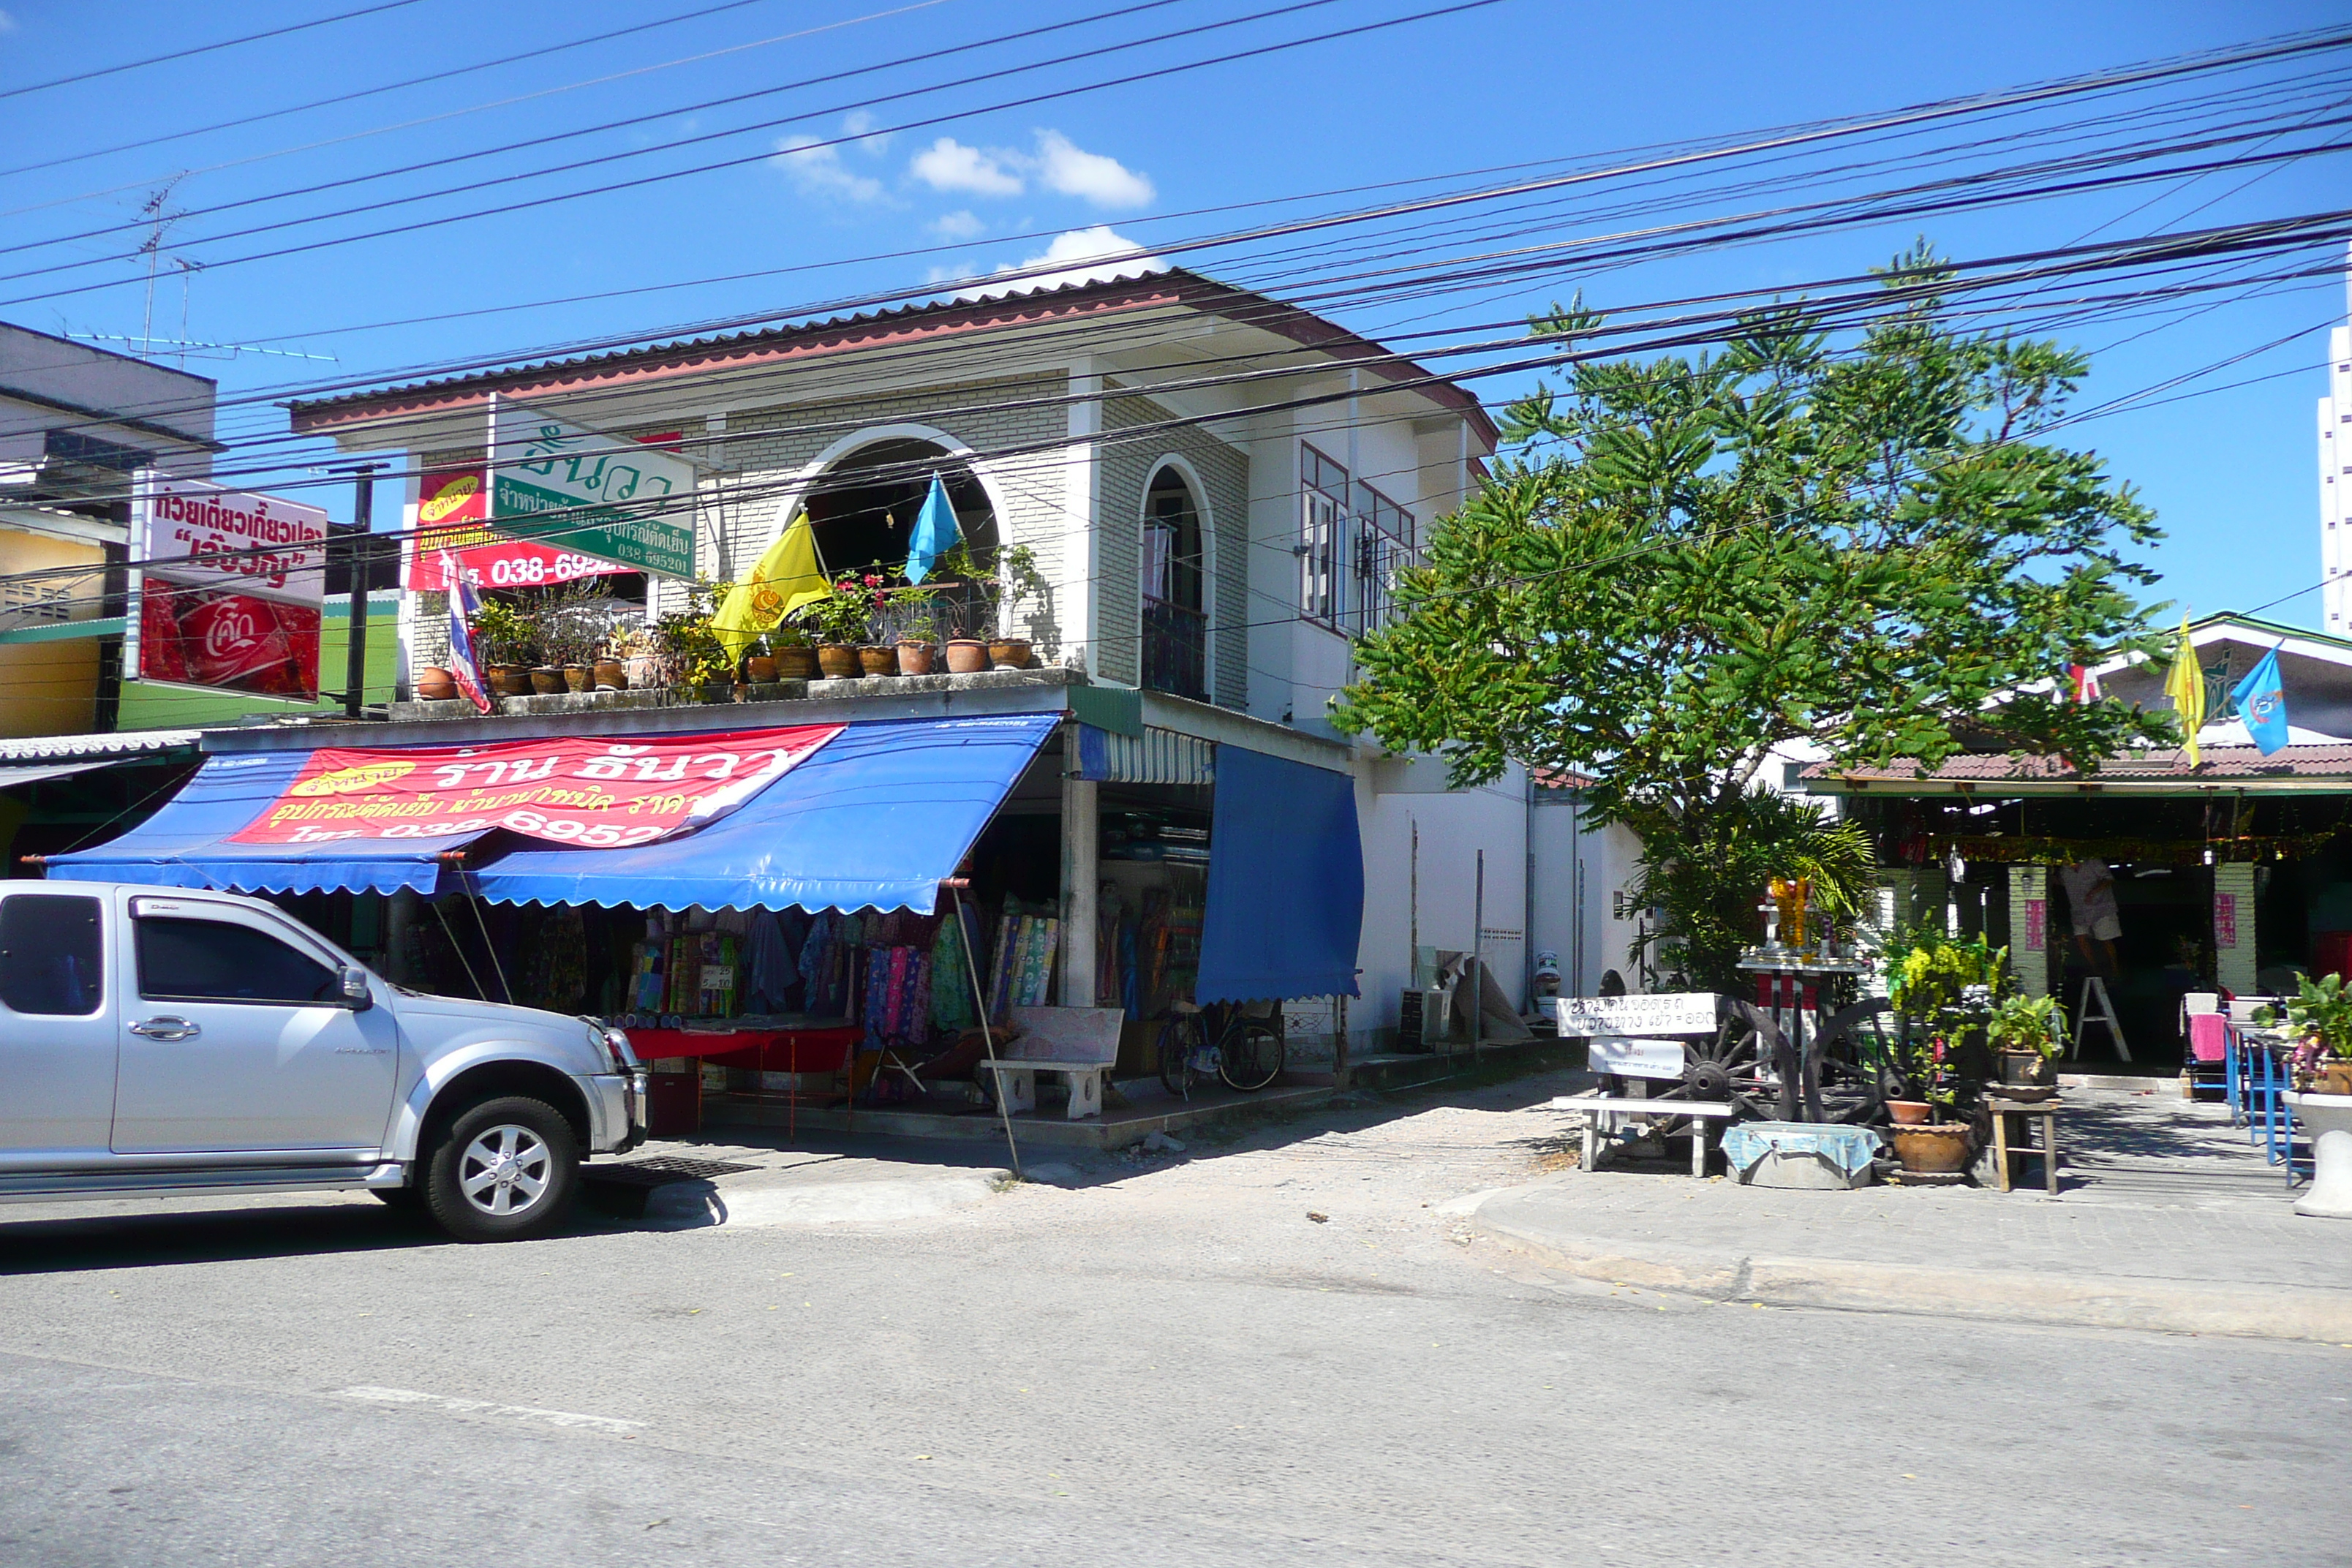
x=595, y=794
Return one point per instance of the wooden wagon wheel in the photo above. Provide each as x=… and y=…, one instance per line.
x=1855, y=1059
x=1738, y=1065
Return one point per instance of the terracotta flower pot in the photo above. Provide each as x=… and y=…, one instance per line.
x=547, y=680
x=644, y=672
x=1909, y=1113
x=1008, y=653
x=796, y=663
x=759, y=670
x=718, y=691
x=579, y=678
x=878, y=658
x=967, y=656
x=511, y=679
x=915, y=657
x=435, y=684
x=2331, y=1077
x=838, y=660
x=1933, y=1151
x=611, y=675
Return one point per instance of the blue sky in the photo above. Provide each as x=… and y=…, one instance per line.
x=2231, y=472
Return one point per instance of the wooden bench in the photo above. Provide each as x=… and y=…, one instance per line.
x=1596, y=1106
x=1079, y=1044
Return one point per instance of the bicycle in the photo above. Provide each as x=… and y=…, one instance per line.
x=1246, y=1053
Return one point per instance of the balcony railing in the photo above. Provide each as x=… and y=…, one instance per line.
x=1175, y=650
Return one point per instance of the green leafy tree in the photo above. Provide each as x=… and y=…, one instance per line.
x=1863, y=541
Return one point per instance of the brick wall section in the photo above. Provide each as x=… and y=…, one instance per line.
x=1030, y=486
x=1125, y=468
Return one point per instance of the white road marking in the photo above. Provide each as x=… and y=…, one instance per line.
x=487, y=1407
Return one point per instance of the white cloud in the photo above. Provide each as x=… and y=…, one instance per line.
x=957, y=225
x=860, y=124
x=1059, y=164
x=818, y=171
x=1096, y=255
x=1092, y=176
x=946, y=165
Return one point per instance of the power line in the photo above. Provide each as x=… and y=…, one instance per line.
x=203, y=48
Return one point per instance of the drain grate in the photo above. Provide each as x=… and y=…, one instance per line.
x=661, y=1170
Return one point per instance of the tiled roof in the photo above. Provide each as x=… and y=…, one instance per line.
x=2218, y=763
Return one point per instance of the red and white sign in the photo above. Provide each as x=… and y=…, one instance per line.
x=453, y=515
x=599, y=795
x=228, y=641
x=2225, y=920
x=192, y=530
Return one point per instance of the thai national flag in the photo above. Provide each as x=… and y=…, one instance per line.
x=463, y=603
x=2086, y=682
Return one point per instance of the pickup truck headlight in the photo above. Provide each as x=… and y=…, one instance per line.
x=617, y=1049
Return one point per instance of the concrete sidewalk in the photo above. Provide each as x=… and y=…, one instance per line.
x=2166, y=1220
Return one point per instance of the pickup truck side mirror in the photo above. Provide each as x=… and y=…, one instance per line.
x=356, y=993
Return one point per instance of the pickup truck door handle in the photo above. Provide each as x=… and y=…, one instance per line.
x=166, y=1029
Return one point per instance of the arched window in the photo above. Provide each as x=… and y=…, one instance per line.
x=1175, y=628
x=862, y=511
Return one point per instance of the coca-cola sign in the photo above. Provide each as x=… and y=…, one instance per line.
x=223, y=640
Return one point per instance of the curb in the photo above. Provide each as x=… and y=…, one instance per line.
x=2260, y=1312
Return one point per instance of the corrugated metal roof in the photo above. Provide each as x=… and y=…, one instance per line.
x=64, y=748
x=2218, y=765
x=1171, y=286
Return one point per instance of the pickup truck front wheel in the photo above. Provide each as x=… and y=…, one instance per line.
x=504, y=1170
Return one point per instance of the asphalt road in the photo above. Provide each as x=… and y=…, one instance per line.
x=1171, y=1364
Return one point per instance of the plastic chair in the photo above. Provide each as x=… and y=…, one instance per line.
x=2208, y=1052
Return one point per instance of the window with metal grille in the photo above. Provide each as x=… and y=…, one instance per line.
x=1322, y=524
x=1384, y=547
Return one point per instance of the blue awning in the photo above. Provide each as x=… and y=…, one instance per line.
x=184, y=844
x=873, y=819
x=1285, y=882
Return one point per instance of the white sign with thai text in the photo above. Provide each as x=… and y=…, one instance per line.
x=1661, y=1013
x=1628, y=1058
x=195, y=532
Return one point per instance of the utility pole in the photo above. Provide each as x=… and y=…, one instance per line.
x=361, y=552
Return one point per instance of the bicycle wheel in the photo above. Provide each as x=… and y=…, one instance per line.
x=1176, y=1058
x=1252, y=1056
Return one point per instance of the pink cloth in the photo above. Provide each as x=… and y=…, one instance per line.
x=2208, y=1037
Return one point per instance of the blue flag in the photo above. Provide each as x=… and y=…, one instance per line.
x=2262, y=702
x=935, y=533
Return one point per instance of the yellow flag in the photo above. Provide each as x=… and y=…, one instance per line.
x=2186, y=686
x=785, y=577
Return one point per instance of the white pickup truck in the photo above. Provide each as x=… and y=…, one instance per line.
x=159, y=1042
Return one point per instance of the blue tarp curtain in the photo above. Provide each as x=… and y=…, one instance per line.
x=873, y=818
x=1285, y=882
x=183, y=845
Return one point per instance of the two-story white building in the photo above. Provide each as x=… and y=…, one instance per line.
x=1218, y=489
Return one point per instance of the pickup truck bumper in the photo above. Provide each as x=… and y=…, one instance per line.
x=619, y=1100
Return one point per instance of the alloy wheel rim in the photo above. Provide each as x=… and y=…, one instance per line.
x=505, y=1170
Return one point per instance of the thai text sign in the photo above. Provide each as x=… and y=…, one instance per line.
x=558, y=484
x=598, y=795
x=1663, y=1013
x=194, y=532
x=453, y=509
x=1626, y=1058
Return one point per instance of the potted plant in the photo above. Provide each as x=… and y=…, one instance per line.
x=918, y=631
x=690, y=653
x=1944, y=991
x=795, y=654
x=632, y=647
x=839, y=621
x=610, y=667
x=2320, y=1016
x=2026, y=1033
x=966, y=653
x=435, y=684
x=572, y=626
x=506, y=643
x=759, y=664
x=1018, y=580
